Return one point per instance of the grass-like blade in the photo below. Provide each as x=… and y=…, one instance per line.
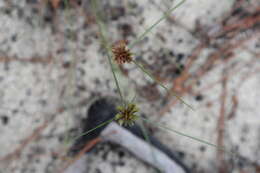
x=161, y=126
x=98, y=126
x=141, y=37
x=106, y=45
x=140, y=66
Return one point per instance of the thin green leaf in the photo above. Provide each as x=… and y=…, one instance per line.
x=141, y=37
x=107, y=46
x=140, y=66
x=147, y=139
x=98, y=126
x=161, y=126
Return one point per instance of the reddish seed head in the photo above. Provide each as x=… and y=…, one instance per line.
x=121, y=53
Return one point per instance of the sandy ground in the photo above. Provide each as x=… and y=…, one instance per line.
x=52, y=65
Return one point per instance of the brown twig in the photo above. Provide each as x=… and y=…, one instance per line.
x=86, y=148
x=34, y=60
x=234, y=107
x=221, y=124
x=226, y=50
x=17, y=152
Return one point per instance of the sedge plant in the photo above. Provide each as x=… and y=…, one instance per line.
x=120, y=53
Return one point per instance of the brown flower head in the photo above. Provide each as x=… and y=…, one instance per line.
x=121, y=53
x=126, y=114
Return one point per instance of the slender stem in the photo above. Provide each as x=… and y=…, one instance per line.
x=67, y=137
x=161, y=126
x=115, y=78
x=106, y=45
x=141, y=37
x=98, y=126
x=140, y=66
x=133, y=99
x=147, y=139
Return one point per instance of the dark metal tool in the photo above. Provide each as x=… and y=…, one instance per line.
x=103, y=110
